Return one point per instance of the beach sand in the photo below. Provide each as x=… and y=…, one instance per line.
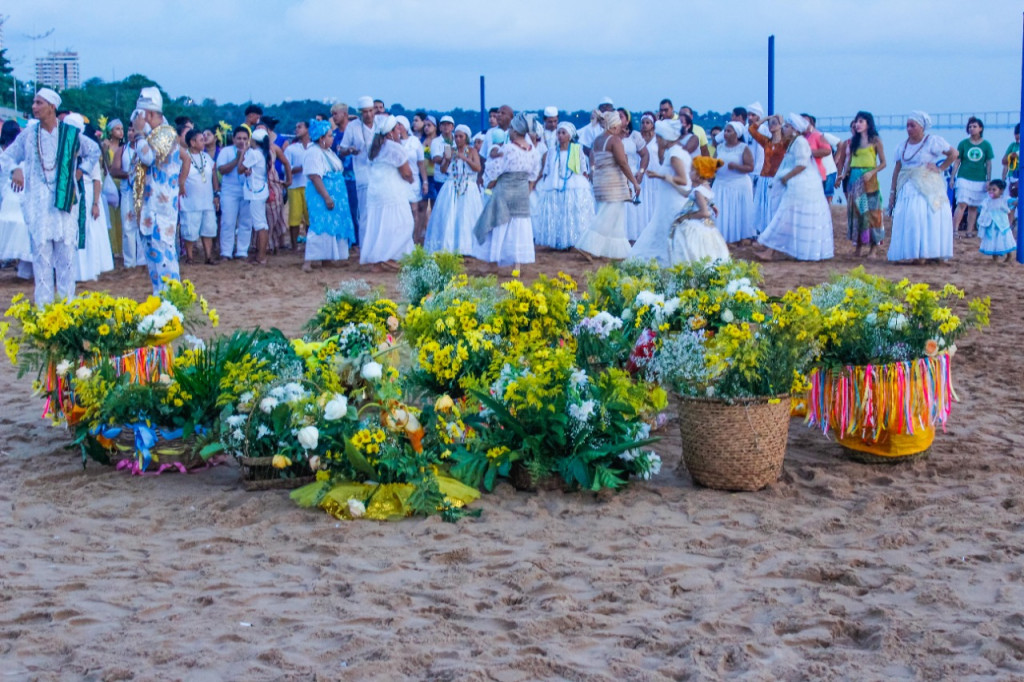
x=838, y=571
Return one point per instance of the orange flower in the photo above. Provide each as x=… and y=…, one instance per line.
x=931, y=348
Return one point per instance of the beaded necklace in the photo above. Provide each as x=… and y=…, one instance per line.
x=42, y=164
x=201, y=166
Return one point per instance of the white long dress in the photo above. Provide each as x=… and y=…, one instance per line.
x=922, y=225
x=14, y=239
x=648, y=192
x=389, y=223
x=802, y=226
x=455, y=212
x=696, y=239
x=636, y=217
x=653, y=240
x=511, y=242
x=734, y=196
x=566, y=204
x=96, y=257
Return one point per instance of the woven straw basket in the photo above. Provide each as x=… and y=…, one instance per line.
x=258, y=473
x=737, y=446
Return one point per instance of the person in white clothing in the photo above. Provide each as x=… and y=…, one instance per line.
x=389, y=225
x=669, y=170
x=458, y=204
x=94, y=256
x=419, y=186
x=15, y=244
x=441, y=149
x=566, y=204
x=198, y=204
x=734, y=193
x=235, y=218
x=356, y=143
x=551, y=127
x=595, y=128
x=256, y=190
x=122, y=167
x=298, y=210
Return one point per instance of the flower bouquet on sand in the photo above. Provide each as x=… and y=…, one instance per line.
x=884, y=378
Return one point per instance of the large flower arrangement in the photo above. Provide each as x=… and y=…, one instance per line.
x=424, y=273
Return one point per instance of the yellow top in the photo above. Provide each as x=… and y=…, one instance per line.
x=865, y=157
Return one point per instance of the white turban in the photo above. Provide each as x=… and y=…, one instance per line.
x=610, y=119
x=384, y=124
x=756, y=108
x=737, y=126
x=364, y=102
x=150, y=99
x=922, y=118
x=50, y=96
x=521, y=124
x=550, y=112
x=259, y=135
x=464, y=129
x=668, y=130
x=404, y=122
x=75, y=121
x=567, y=127
x=798, y=122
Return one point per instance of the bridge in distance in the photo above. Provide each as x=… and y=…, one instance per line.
x=991, y=119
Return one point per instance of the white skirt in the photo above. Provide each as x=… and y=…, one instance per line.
x=388, y=233
x=735, y=202
x=97, y=256
x=507, y=244
x=645, y=210
x=766, y=202
x=917, y=230
x=562, y=217
x=14, y=240
x=325, y=247
x=970, y=192
x=606, y=237
x=636, y=220
x=452, y=220
x=996, y=242
x=694, y=240
x=802, y=227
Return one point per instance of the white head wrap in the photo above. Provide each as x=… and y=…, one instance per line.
x=521, y=124
x=756, y=108
x=259, y=135
x=550, y=112
x=75, y=121
x=364, y=102
x=464, y=129
x=404, y=122
x=568, y=127
x=384, y=123
x=737, y=126
x=668, y=130
x=922, y=118
x=50, y=96
x=150, y=99
x=478, y=136
x=610, y=119
x=798, y=122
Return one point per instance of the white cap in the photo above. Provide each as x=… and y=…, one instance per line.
x=50, y=96
x=150, y=99
x=364, y=102
x=756, y=108
x=550, y=112
x=75, y=121
x=606, y=100
x=447, y=119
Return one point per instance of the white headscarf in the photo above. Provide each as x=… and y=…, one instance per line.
x=384, y=124
x=50, y=96
x=404, y=122
x=756, y=108
x=798, y=122
x=464, y=129
x=668, y=130
x=738, y=127
x=922, y=118
x=610, y=119
x=567, y=127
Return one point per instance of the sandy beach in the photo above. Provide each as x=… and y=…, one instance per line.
x=840, y=571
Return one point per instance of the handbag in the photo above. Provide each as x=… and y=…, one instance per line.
x=110, y=191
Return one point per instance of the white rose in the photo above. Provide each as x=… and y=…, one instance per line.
x=308, y=437
x=268, y=404
x=356, y=508
x=63, y=368
x=83, y=373
x=727, y=316
x=336, y=408
x=372, y=371
x=165, y=379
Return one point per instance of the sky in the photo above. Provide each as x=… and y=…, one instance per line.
x=832, y=57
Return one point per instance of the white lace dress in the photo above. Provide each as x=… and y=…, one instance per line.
x=97, y=256
x=802, y=226
x=14, y=240
x=636, y=216
x=456, y=210
x=653, y=240
x=511, y=242
x=389, y=223
x=734, y=196
x=922, y=224
x=693, y=239
x=648, y=193
x=566, y=204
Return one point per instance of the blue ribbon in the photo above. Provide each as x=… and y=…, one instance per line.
x=145, y=439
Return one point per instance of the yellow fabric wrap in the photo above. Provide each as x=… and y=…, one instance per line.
x=798, y=406
x=893, y=444
x=391, y=500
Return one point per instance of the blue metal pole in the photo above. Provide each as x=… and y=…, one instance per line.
x=483, y=107
x=1020, y=173
x=771, y=75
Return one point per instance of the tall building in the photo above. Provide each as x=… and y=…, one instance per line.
x=58, y=70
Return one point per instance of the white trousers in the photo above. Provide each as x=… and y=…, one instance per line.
x=235, y=226
x=53, y=260
x=132, y=248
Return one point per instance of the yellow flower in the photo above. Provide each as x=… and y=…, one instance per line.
x=281, y=462
x=103, y=329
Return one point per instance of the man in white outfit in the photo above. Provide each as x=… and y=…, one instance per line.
x=356, y=143
x=592, y=130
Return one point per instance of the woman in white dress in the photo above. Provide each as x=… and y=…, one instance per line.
x=331, y=228
x=96, y=256
x=504, y=231
x=670, y=170
x=647, y=188
x=693, y=235
x=458, y=204
x=638, y=158
x=922, y=224
x=802, y=226
x=255, y=169
x=14, y=240
x=567, y=202
x=734, y=193
x=606, y=237
x=419, y=185
x=389, y=223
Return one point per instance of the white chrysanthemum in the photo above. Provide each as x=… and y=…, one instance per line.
x=268, y=404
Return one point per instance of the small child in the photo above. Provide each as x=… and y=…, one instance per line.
x=693, y=234
x=994, y=223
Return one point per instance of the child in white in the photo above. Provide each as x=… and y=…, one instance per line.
x=693, y=235
x=256, y=191
x=198, y=214
x=994, y=223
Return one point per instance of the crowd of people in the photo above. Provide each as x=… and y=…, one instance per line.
x=148, y=192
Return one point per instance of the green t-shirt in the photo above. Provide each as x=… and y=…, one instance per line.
x=973, y=158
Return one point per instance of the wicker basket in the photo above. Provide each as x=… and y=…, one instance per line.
x=737, y=446
x=258, y=473
x=181, y=451
x=521, y=479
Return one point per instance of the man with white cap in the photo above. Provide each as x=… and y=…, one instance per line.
x=755, y=112
x=590, y=132
x=159, y=178
x=52, y=155
x=441, y=149
x=551, y=127
x=356, y=143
